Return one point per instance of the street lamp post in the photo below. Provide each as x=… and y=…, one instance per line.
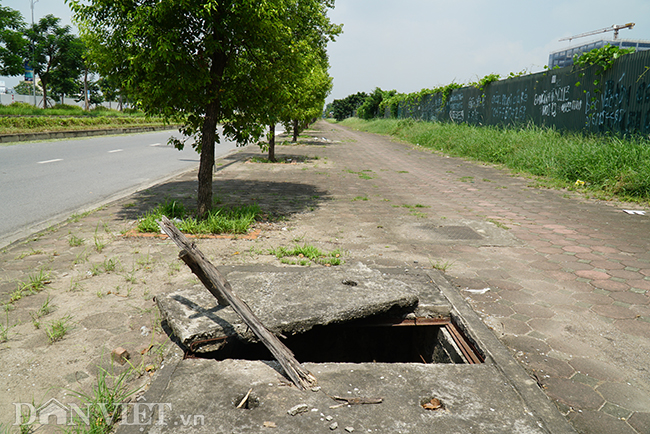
x=31, y=5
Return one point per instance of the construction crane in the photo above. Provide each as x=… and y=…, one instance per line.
x=614, y=28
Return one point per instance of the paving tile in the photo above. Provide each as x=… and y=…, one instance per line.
x=577, y=249
x=608, y=265
x=533, y=311
x=585, y=379
x=592, y=298
x=624, y=395
x=614, y=312
x=597, y=369
x=610, y=285
x=573, y=394
x=572, y=347
x=594, y=422
x=546, y=366
x=545, y=265
x=616, y=411
x=526, y=344
x=641, y=284
x=640, y=422
x=632, y=297
x=495, y=309
x=634, y=327
x=605, y=249
x=513, y=326
x=592, y=274
x=518, y=297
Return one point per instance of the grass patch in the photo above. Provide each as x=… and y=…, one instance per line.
x=35, y=283
x=285, y=160
x=306, y=254
x=104, y=406
x=75, y=241
x=4, y=329
x=22, y=117
x=58, y=329
x=222, y=219
x=610, y=166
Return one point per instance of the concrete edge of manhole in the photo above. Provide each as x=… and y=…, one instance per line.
x=536, y=401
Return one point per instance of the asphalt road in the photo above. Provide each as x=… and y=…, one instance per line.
x=43, y=183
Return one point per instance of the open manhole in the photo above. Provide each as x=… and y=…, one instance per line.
x=380, y=340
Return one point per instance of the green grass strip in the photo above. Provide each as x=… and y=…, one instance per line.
x=605, y=166
x=309, y=252
x=221, y=220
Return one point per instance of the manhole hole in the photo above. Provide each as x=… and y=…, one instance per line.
x=455, y=232
x=381, y=340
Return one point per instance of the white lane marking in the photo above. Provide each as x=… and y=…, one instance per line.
x=50, y=161
x=155, y=144
x=115, y=150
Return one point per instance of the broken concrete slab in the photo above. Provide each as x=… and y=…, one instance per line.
x=201, y=396
x=291, y=301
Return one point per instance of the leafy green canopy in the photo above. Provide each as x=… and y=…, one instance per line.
x=13, y=44
x=201, y=62
x=57, y=56
x=344, y=108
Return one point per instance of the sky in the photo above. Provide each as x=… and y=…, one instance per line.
x=409, y=45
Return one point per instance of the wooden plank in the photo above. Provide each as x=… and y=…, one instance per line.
x=218, y=286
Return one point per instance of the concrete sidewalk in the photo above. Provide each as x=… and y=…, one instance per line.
x=562, y=281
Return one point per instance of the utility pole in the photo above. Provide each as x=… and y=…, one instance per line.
x=31, y=5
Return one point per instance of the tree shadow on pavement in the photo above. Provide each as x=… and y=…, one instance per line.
x=274, y=198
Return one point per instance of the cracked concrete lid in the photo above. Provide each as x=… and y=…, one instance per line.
x=289, y=301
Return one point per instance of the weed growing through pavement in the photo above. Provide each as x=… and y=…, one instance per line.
x=75, y=241
x=105, y=403
x=95, y=270
x=99, y=244
x=4, y=329
x=110, y=265
x=30, y=253
x=360, y=198
x=306, y=253
x=45, y=309
x=441, y=266
x=130, y=276
x=58, y=329
x=498, y=224
x=80, y=258
x=35, y=283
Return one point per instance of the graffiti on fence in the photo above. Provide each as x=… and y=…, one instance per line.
x=589, y=99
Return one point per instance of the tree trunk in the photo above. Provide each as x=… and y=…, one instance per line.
x=44, y=86
x=208, y=135
x=272, y=143
x=86, y=103
x=295, y=131
x=206, y=165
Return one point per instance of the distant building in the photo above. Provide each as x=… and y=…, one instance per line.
x=564, y=57
x=3, y=89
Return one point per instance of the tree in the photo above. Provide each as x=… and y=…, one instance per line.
x=56, y=53
x=297, y=88
x=197, y=61
x=13, y=45
x=370, y=107
x=64, y=77
x=27, y=88
x=344, y=108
